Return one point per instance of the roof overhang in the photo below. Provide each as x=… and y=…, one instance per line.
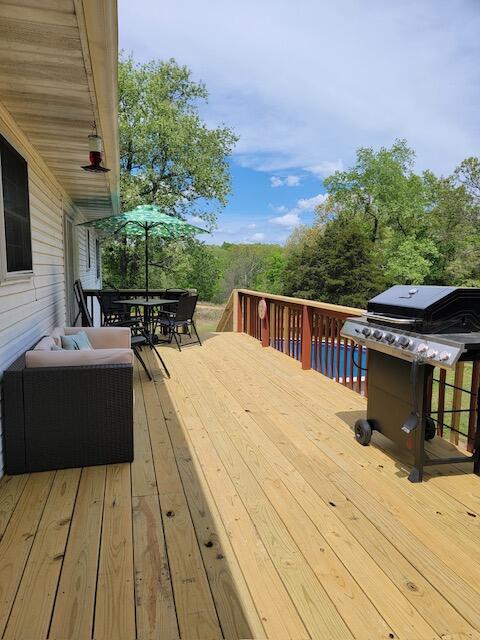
x=58, y=74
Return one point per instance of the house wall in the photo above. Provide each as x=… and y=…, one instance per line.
x=32, y=307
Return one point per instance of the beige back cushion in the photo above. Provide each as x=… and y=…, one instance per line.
x=100, y=337
x=45, y=344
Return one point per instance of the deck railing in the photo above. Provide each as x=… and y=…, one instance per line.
x=305, y=330
x=309, y=331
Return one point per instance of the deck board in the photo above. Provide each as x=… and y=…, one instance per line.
x=249, y=512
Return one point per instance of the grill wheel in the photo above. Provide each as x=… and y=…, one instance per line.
x=430, y=428
x=363, y=432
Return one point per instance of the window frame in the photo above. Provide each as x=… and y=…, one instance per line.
x=98, y=259
x=89, y=254
x=5, y=275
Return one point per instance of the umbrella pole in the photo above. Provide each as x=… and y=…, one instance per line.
x=146, y=262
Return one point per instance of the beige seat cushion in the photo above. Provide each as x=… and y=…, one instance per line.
x=42, y=358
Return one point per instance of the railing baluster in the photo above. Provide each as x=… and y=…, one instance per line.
x=286, y=330
x=331, y=330
x=456, y=403
x=441, y=402
x=359, y=370
x=337, y=349
x=322, y=349
x=351, y=347
x=344, y=346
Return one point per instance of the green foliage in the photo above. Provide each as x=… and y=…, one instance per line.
x=168, y=156
x=423, y=227
x=249, y=266
x=336, y=264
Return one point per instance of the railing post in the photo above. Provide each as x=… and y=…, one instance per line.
x=307, y=328
x=265, y=325
x=237, y=312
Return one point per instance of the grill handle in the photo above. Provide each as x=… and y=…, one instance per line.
x=376, y=316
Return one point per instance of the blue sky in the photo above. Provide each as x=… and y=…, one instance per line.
x=306, y=82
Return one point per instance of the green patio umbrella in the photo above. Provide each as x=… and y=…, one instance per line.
x=145, y=220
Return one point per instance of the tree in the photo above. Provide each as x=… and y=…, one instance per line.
x=468, y=174
x=419, y=224
x=335, y=263
x=272, y=278
x=203, y=270
x=381, y=189
x=168, y=156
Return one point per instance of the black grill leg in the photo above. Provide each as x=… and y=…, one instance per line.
x=416, y=474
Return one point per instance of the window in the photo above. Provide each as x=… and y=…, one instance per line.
x=98, y=258
x=16, y=254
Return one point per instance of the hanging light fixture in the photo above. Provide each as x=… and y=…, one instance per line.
x=95, y=152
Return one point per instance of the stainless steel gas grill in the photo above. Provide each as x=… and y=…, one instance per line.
x=409, y=331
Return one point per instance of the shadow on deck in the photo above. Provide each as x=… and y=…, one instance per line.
x=249, y=512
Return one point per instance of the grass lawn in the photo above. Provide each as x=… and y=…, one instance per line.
x=207, y=316
x=449, y=391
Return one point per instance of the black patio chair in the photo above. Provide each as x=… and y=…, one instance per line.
x=112, y=312
x=140, y=336
x=181, y=318
x=83, y=311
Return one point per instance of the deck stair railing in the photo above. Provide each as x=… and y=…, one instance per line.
x=309, y=331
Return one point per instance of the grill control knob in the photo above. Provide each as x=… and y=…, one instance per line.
x=377, y=334
x=422, y=347
x=366, y=331
x=444, y=355
x=390, y=338
x=432, y=354
x=404, y=342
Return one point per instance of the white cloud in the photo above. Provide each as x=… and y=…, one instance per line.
x=289, y=181
x=325, y=168
x=256, y=237
x=252, y=225
x=309, y=204
x=289, y=220
x=302, y=87
x=280, y=209
x=292, y=181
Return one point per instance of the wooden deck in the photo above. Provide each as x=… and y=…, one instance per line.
x=249, y=512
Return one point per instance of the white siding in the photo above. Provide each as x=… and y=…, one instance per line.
x=33, y=306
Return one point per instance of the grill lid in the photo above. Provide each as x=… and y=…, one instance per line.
x=433, y=309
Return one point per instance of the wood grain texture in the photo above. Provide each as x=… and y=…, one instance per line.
x=154, y=603
x=30, y=616
x=249, y=512
x=75, y=602
x=18, y=539
x=115, y=606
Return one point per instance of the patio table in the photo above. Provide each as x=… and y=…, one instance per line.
x=147, y=305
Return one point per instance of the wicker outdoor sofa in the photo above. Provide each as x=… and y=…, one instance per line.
x=70, y=408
